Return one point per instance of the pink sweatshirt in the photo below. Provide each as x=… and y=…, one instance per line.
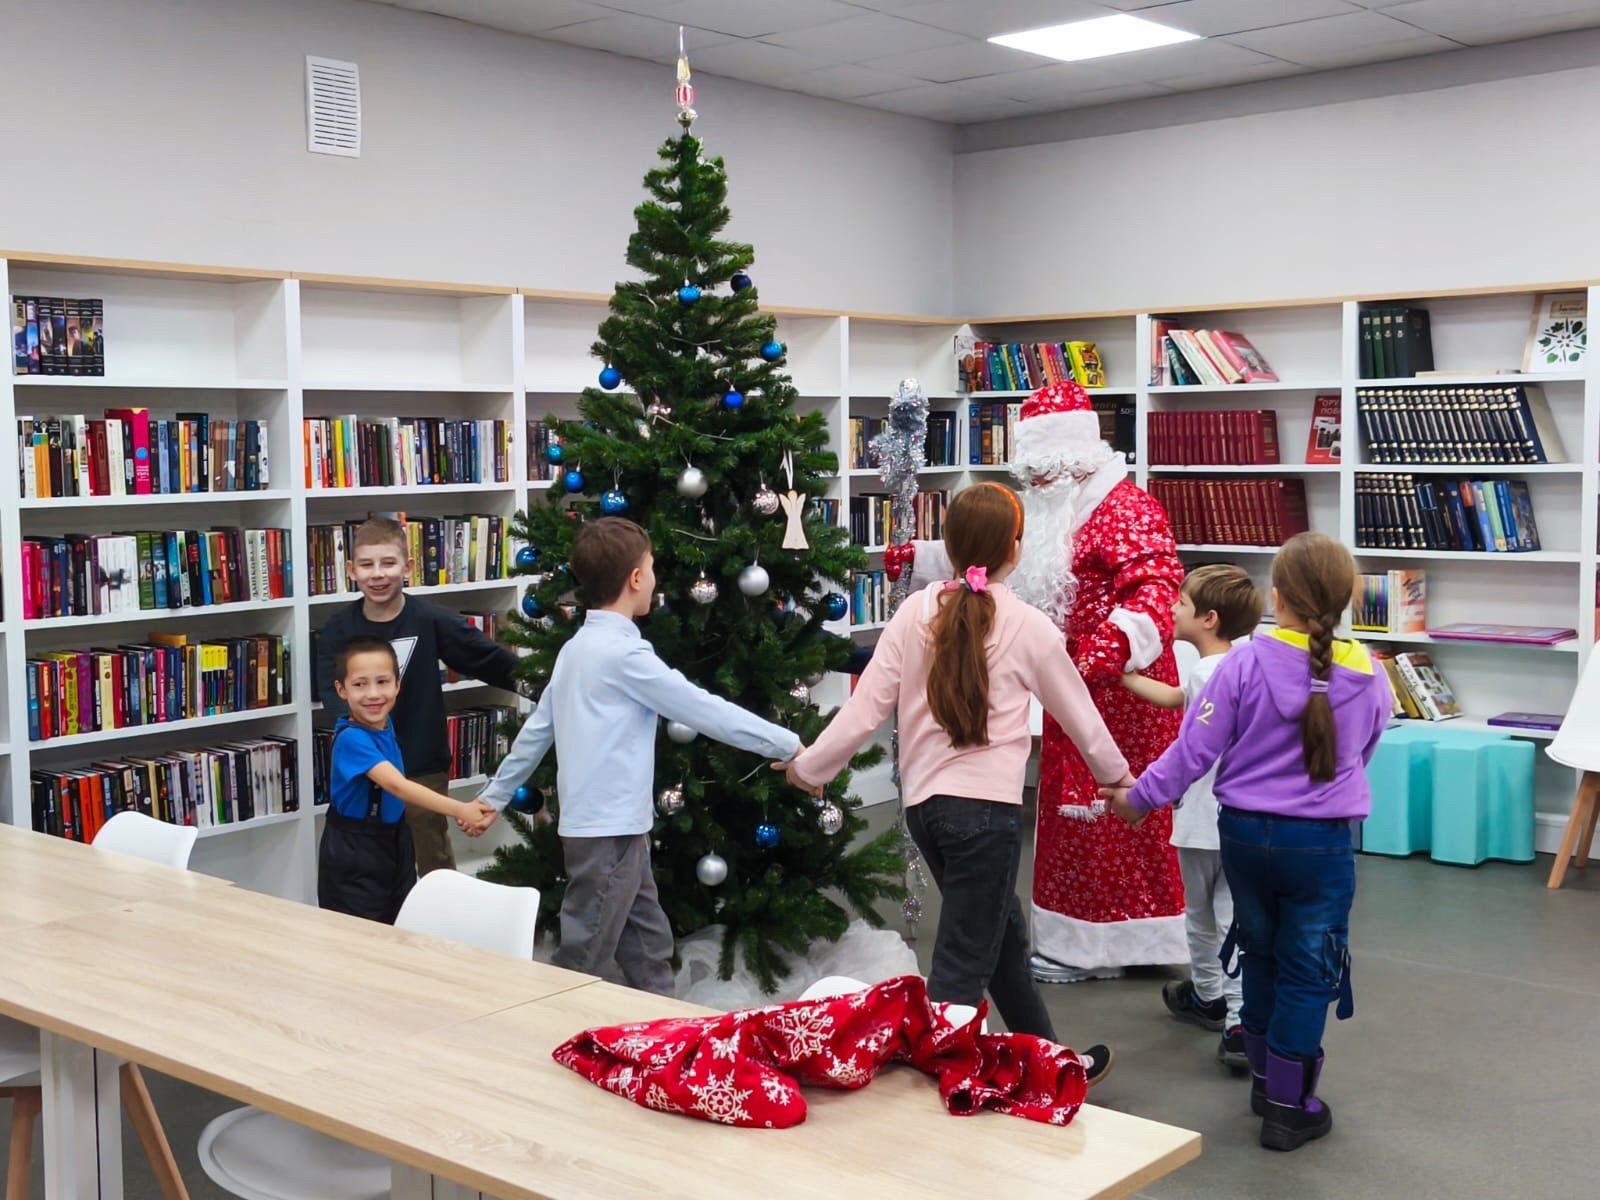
x=1027, y=657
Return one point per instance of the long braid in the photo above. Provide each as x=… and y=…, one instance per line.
x=1319, y=735
x=1314, y=577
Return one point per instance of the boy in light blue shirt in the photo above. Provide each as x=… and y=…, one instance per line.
x=600, y=709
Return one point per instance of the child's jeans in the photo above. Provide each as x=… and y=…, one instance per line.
x=1293, y=882
x=1207, y=917
x=612, y=912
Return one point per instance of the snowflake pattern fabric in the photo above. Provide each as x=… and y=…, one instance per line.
x=685, y=1066
x=1100, y=870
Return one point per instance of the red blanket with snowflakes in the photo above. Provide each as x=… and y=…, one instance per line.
x=746, y=1068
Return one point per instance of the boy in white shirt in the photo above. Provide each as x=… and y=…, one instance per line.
x=1216, y=606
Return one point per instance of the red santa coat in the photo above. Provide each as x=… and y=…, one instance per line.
x=1105, y=895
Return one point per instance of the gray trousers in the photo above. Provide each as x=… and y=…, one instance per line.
x=612, y=912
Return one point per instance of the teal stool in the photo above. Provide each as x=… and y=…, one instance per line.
x=1462, y=795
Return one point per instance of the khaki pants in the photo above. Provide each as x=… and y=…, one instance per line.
x=430, y=831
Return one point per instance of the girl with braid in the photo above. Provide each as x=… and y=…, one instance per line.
x=1293, y=718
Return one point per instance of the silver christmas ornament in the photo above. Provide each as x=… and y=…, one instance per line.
x=765, y=501
x=711, y=870
x=692, y=483
x=911, y=909
x=801, y=693
x=703, y=591
x=643, y=430
x=669, y=799
x=831, y=819
x=680, y=733
x=753, y=580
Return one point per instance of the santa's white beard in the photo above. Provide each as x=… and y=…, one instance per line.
x=1043, y=576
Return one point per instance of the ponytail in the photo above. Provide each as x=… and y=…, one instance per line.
x=958, y=671
x=1319, y=737
x=1314, y=577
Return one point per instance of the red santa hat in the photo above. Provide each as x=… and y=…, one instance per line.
x=1057, y=422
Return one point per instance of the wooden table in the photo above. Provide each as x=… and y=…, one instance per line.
x=438, y=1056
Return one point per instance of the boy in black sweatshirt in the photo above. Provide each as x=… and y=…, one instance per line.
x=422, y=635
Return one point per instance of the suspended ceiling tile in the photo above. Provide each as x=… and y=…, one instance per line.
x=861, y=38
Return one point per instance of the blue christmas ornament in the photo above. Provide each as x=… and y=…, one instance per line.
x=767, y=835
x=526, y=800
x=740, y=281
x=688, y=294
x=573, y=480
x=527, y=556
x=610, y=377
x=733, y=399
x=836, y=606
x=613, y=503
x=554, y=453
x=772, y=351
x=530, y=605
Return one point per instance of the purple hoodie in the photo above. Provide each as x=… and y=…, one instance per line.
x=1249, y=715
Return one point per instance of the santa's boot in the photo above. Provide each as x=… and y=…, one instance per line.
x=1255, y=1050
x=1294, y=1115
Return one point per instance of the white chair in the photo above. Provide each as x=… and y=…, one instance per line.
x=137, y=836
x=1577, y=745
x=843, y=985
x=257, y=1156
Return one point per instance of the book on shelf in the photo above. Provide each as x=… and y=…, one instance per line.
x=348, y=452
x=1221, y=438
x=1516, y=635
x=1232, y=512
x=55, y=335
x=991, y=428
x=132, y=453
x=477, y=739
x=1322, y=444
x=938, y=449
x=206, y=787
x=120, y=573
x=1390, y=602
x=1418, y=686
x=442, y=550
x=540, y=438
x=869, y=598
x=1185, y=357
x=827, y=510
x=1558, y=336
x=1396, y=340
x=168, y=677
x=1463, y=425
x=870, y=519
x=1403, y=512
x=1550, y=722
x=1025, y=366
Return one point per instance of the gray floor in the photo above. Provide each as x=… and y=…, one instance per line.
x=1469, y=1069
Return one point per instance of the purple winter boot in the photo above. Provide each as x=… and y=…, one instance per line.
x=1255, y=1049
x=1294, y=1115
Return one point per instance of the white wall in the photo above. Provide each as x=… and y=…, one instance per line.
x=175, y=130
x=1492, y=183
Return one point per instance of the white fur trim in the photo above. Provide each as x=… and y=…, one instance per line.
x=1139, y=941
x=931, y=565
x=1144, y=641
x=1050, y=434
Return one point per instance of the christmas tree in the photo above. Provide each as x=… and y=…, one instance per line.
x=703, y=446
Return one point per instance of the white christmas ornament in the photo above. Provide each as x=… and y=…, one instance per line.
x=711, y=870
x=753, y=580
x=692, y=483
x=680, y=733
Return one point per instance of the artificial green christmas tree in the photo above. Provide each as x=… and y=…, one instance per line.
x=695, y=435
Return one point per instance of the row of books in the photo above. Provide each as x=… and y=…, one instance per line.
x=348, y=452
x=540, y=438
x=169, y=677
x=1420, y=690
x=443, y=550
x=109, y=574
x=55, y=335
x=1223, y=437
x=1466, y=425
x=206, y=787
x=869, y=598
x=478, y=741
x=1402, y=512
x=1233, y=512
x=1390, y=602
x=871, y=524
x=828, y=510
x=1396, y=340
x=1025, y=366
x=1183, y=357
x=939, y=450
x=129, y=453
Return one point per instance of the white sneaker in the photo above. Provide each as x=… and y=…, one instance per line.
x=1046, y=970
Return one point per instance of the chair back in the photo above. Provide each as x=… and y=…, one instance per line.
x=1577, y=743
x=462, y=908
x=139, y=836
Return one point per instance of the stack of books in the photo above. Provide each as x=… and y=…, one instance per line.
x=1183, y=357
x=349, y=452
x=131, y=453
x=1458, y=425
x=1227, y=437
x=1403, y=512
x=52, y=335
x=1390, y=602
x=1026, y=366
x=1233, y=512
x=1514, y=635
x=1420, y=691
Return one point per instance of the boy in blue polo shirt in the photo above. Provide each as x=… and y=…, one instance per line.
x=366, y=864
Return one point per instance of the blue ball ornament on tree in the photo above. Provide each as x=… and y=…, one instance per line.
x=688, y=294
x=554, y=452
x=733, y=398
x=767, y=835
x=613, y=503
x=573, y=480
x=772, y=351
x=526, y=800
x=530, y=605
x=610, y=377
x=740, y=281
x=836, y=606
x=527, y=557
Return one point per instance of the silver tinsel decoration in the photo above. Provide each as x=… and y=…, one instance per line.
x=901, y=450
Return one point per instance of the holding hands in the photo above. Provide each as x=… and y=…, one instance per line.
x=475, y=816
x=1116, y=798
x=789, y=773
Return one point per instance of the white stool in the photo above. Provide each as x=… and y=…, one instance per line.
x=1577, y=745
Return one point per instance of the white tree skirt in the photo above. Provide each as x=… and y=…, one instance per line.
x=864, y=953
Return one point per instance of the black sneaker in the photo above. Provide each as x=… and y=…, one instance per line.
x=1230, y=1051
x=1097, y=1062
x=1183, y=1003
